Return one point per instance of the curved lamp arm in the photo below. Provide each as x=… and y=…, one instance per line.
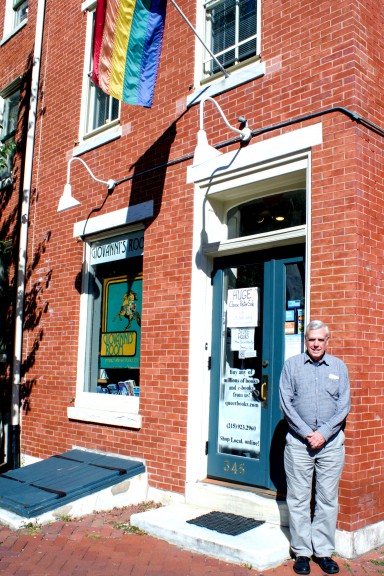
x=67, y=200
x=205, y=152
x=109, y=183
x=245, y=133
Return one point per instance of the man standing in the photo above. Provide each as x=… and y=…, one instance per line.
x=315, y=400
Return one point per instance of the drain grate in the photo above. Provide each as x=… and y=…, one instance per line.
x=225, y=523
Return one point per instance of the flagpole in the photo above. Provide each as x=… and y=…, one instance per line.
x=226, y=74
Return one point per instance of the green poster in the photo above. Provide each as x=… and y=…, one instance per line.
x=121, y=322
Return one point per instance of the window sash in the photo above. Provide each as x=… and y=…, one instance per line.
x=102, y=110
x=227, y=22
x=20, y=11
x=115, y=266
x=9, y=116
x=8, y=123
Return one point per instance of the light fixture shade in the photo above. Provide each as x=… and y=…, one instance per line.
x=203, y=151
x=67, y=200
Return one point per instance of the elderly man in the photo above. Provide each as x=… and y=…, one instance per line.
x=315, y=400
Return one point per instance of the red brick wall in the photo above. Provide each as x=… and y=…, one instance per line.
x=317, y=56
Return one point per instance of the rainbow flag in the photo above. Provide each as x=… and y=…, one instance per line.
x=127, y=42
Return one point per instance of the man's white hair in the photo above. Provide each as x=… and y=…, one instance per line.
x=316, y=325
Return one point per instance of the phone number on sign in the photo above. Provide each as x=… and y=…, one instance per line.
x=241, y=427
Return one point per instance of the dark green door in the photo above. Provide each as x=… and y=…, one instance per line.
x=258, y=321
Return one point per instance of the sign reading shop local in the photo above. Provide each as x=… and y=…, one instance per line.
x=118, y=248
x=121, y=299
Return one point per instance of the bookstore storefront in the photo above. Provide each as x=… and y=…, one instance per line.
x=256, y=227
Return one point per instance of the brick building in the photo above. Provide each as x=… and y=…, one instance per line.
x=152, y=319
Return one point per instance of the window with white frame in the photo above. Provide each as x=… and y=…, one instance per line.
x=108, y=369
x=9, y=110
x=112, y=355
x=16, y=16
x=230, y=33
x=101, y=111
x=20, y=12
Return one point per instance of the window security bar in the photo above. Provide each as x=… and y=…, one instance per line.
x=233, y=47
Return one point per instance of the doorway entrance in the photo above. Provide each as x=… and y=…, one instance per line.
x=257, y=322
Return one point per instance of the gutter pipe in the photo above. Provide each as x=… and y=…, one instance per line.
x=23, y=237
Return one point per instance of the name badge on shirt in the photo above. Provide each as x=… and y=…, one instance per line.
x=333, y=377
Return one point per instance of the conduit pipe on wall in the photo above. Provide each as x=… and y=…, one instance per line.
x=257, y=132
x=23, y=236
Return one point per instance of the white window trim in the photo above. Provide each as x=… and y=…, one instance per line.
x=105, y=134
x=250, y=158
x=92, y=407
x=239, y=75
x=4, y=94
x=9, y=30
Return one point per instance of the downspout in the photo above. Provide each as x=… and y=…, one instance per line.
x=23, y=236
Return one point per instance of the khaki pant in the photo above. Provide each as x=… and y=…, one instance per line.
x=317, y=536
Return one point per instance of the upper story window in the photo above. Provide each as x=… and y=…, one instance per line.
x=9, y=110
x=100, y=113
x=101, y=109
x=20, y=12
x=16, y=16
x=230, y=33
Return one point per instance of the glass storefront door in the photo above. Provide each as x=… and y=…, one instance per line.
x=258, y=321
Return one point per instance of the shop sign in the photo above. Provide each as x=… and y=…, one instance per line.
x=117, y=248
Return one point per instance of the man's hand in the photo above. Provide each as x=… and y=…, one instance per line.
x=315, y=440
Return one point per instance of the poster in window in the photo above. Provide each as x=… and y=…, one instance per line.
x=121, y=322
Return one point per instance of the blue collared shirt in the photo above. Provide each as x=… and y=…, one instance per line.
x=315, y=396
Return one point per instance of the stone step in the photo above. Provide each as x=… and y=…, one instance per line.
x=260, y=548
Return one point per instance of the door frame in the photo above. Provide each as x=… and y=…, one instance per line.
x=263, y=167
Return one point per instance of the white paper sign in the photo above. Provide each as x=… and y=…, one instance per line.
x=247, y=354
x=243, y=308
x=239, y=414
x=293, y=345
x=242, y=339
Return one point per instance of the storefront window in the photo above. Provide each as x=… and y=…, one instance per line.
x=114, y=316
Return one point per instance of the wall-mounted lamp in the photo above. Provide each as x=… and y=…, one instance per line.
x=204, y=151
x=67, y=200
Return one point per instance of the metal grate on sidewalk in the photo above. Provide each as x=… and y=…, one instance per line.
x=225, y=523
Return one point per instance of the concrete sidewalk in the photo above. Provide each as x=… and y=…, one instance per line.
x=104, y=544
